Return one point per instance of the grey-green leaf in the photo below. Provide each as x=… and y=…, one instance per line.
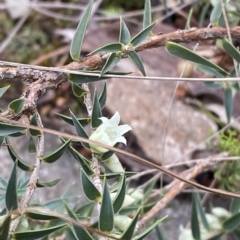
x=106, y=218
x=48, y=184
x=111, y=62
x=231, y=223
x=137, y=62
x=89, y=189
x=40, y=216
x=128, y=234
x=5, y=227
x=78, y=91
x=56, y=154
x=231, y=50
x=194, y=222
x=185, y=53
x=235, y=205
x=7, y=129
x=147, y=16
x=96, y=111
x=31, y=145
x=109, y=48
x=36, y=234
x=16, y=105
x=80, y=79
x=124, y=36
x=228, y=103
x=83, y=121
x=140, y=37
x=76, y=45
x=216, y=13
x=209, y=71
x=11, y=191
x=103, y=96
x=3, y=90
x=34, y=122
x=118, y=201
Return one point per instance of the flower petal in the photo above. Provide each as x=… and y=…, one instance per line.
x=115, y=119
x=123, y=129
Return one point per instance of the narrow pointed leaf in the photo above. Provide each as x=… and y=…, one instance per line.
x=11, y=191
x=110, y=63
x=231, y=223
x=228, y=103
x=137, y=62
x=148, y=230
x=107, y=155
x=15, y=157
x=106, y=218
x=118, y=201
x=216, y=13
x=3, y=90
x=149, y=187
x=40, y=216
x=215, y=85
x=235, y=205
x=34, y=122
x=78, y=91
x=128, y=234
x=76, y=45
x=231, y=50
x=86, y=210
x=36, y=234
x=78, y=231
x=82, y=121
x=1, y=141
x=96, y=111
x=57, y=154
x=209, y=71
x=7, y=129
x=200, y=210
x=89, y=189
x=80, y=79
x=48, y=184
x=103, y=96
x=31, y=145
x=147, y=16
x=109, y=48
x=80, y=130
x=17, y=105
x=140, y=37
x=194, y=222
x=217, y=237
x=5, y=227
x=185, y=53
x=124, y=36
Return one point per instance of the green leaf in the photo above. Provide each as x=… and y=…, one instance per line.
x=216, y=237
x=137, y=62
x=83, y=121
x=78, y=231
x=200, y=210
x=124, y=36
x=228, y=103
x=1, y=141
x=212, y=84
x=107, y=155
x=111, y=62
x=11, y=191
x=189, y=18
x=128, y=234
x=231, y=223
x=3, y=90
x=96, y=111
x=5, y=227
x=216, y=13
x=194, y=221
x=147, y=16
x=34, y=122
x=149, y=187
x=86, y=210
x=209, y=71
x=78, y=91
x=148, y=230
x=57, y=154
x=80, y=79
x=48, y=184
x=76, y=45
x=80, y=130
x=140, y=37
x=109, y=48
x=231, y=50
x=118, y=201
x=106, y=218
x=7, y=129
x=17, y=105
x=185, y=53
x=103, y=96
x=89, y=189
x=31, y=145
x=15, y=157
x=36, y=234
x=40, y=216
x=235, y=205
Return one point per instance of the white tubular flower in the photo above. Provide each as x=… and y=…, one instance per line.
x=109, y=133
